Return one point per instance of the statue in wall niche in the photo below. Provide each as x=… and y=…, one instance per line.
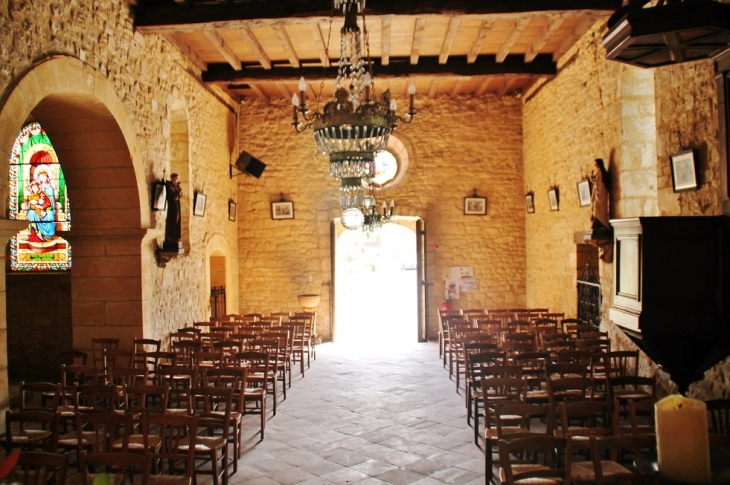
x=173, y=232
x=599, y=197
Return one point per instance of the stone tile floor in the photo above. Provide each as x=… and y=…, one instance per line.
x=369, y=416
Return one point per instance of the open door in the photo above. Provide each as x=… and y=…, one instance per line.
x=422, y=288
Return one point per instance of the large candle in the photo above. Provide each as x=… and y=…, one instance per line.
x=682, y=442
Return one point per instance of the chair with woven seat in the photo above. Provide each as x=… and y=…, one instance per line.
x=581, y=420
x=180, y=380
x=178, y=434
x=477, y=364
x=616, y=469
x=48, y=396
x=120, y=465
x=257, y=364
x=496, y=390
x=211, y=447
x=233, y=378
x=543, y=469
x=718, y=420
x=142, y=400
x=270, y=378
x=636, y=388
x=34, y=429
x=42, y=468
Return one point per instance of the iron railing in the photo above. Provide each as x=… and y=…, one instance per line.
x=217, y=301
x=589, y=296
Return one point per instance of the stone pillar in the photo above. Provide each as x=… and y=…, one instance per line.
x=8, y=229
x=107, y=285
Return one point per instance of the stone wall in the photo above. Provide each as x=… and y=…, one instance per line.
x=635, y=120
x=454, y=146
x=77, y=48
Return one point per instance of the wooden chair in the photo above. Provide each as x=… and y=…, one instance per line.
x=233, y=378
x=255, y=391
x=270, y=378
x=718, y=420
x=178, y=434
x=42, y=468
x=119, y=464
x=213, y=447
x=496, y=390
x=31, y=430
x=614, y=470
x=631, y=387
x=139, y=401
x=141, y=347
x=184, y=350
x=477, y=364
x=641, y=418
x=543, y=469
x=180, y=380
x=581, y=420
x=44, y=392
x=98, y=346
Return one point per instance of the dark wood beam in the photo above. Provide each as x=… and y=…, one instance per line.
x=398, y=67
x=159, y=16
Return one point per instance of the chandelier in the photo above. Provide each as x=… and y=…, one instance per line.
x=356, y=124
x=372, y=219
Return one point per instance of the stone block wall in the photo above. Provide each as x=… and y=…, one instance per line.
x=67, y=49
x=635, y=120
x=454, y=146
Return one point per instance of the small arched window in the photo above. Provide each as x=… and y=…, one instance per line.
x=37, y=193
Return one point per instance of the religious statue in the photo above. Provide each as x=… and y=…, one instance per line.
x=173, y=223
x=599, y=198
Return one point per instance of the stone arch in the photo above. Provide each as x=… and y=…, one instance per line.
x=218, y=246
x=109, y=282
x=178, y=141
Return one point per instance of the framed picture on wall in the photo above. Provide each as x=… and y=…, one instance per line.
x=282, y=210
x=199, y=204
x=553, y=199
x=475, y=206
x=530, y=203
x=159, y=196
x=684, y=176
x=231, y=210
x=584, y=192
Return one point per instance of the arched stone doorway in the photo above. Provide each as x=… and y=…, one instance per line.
x=96, y=144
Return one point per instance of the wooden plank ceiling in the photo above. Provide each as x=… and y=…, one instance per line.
x=260, y=48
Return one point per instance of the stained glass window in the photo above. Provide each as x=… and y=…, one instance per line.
x=386, y=167
x=37, y=193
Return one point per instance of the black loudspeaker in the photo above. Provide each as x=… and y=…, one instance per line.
x=249, y=164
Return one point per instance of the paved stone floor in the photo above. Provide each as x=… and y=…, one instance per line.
x=367, y=416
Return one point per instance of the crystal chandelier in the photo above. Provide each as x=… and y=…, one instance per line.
x=374, y=220
x=355, y=125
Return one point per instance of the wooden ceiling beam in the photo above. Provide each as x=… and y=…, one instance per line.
x=511, y=39
x=457, y=87
x=287, y=45
x=397, y=68
x=508, y=85
x=434, y=87
x=553, y=25
x=260, y=93
x=254, y=44
x=164, y=16
x=449, y=39
x=385, y=40
x=476, y=47
x=485, y=84
x=417, y=39
x=284, y=91
x=319, y=43
x=223, y=49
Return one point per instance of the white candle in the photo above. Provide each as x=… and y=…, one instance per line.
x=683, y=446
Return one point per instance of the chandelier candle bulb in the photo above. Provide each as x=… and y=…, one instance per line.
x=683, y=445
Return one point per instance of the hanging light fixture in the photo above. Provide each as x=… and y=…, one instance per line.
x=355, y=125
x=374, y=220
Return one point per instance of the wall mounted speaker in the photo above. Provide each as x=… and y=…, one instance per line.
x=249, y=164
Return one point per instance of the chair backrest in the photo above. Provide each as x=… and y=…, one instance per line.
x=96, y=397
x=72, y=357
x=586, y=418
x=233, y=378
x=511, y=415
x=117, y=358
x=569, y=389
x=42, y=468
x=32, y=390
x=259, y=362
x=213, y=407
x=613, y=470
x=145, y=399
x=178, y=434
x=128, y=376
x=99, y=345
x=718, y=416
x=120, y=463
x=582, y=357
x=567, y=369
x=97, y=431
x=634, y=387
x=37, y=419
x=545, y=447
x=623, y=363
x=141, y=347
x=79, y=374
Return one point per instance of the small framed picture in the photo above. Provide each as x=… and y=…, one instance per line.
x=475, y=206
x=530, y=203
x=684, y=176
x=553, y=198
x=231, y=210
x=199, y=204
x=282, y=210
x=159, y=196
x=584, y=192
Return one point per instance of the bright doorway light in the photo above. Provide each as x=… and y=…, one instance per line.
x=376, y=290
